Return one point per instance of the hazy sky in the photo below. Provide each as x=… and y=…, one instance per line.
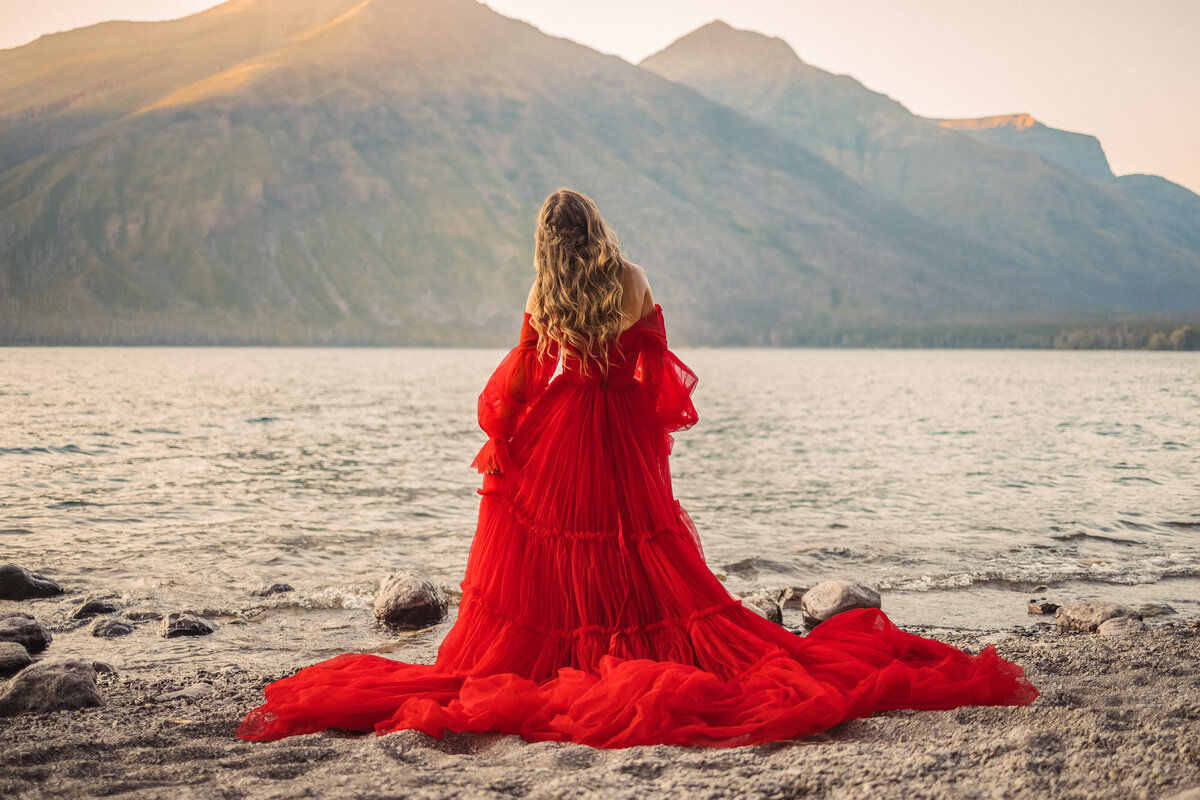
x=1126, y=71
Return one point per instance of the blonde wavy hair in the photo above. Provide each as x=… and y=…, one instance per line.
x=577, y=295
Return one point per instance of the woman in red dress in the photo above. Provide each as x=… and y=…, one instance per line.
x=588, y=613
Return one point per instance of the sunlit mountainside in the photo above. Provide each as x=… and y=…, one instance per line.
x=367, y=171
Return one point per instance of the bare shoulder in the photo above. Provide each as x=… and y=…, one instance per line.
x=529, y=300
x=637, y=301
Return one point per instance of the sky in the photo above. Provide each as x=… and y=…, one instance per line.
x=1126, y=71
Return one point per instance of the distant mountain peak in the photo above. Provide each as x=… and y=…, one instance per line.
x=725, y=46
x=1018, y=121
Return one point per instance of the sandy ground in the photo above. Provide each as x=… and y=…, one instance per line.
x=1118, y=718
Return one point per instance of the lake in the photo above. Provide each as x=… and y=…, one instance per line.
x=955, y=481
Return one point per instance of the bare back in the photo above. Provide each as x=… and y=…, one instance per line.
x=636, y=299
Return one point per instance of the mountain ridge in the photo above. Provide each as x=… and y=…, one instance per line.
x=351, y=171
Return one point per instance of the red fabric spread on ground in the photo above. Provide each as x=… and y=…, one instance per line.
x=588, y=613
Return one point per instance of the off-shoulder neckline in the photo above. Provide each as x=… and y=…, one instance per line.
x=657, y=312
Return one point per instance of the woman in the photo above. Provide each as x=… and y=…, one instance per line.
x=588, y=613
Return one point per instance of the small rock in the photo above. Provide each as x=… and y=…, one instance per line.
x=1155, y=610
x=764, y=606
x=792, y=596
x=50, y=686
x=25, y=631
x=1039, y=589
x=1086, y=615
x=1187, y=794
x=13, y=658
x=17, y=583
x=191, y=693
x=1118, y=626
x=104, y=668
x=140, y=614
x=409, y=600
x=93, y=608
x=828, y=598
x=184, y=625
x=274, y=588
x=108, y=628
x=1041, y=606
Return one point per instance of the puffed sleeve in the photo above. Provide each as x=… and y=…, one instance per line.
x=665, y=375
x=517, y=382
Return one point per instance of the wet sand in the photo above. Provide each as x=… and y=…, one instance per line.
x=1118, y=718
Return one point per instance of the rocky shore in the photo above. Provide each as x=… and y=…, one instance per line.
x=1118, y=717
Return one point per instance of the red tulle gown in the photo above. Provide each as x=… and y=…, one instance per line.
x=588, y=613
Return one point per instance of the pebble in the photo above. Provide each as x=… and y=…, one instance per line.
x=764, y=606
x=1155, y=609
x=51, y=686
x=409, y=600
x=1086, y=615
x=18, y=583
x=13, y=658
x=184, y=625
x=1118, y=626
x=104, y=668
x=792, y=596
x=92, y=608
x=191, y=693
x=140, y=614
x=25, y=631
x=1041, y=606
x=274, y=588
x=108, y=628
x=832, y=597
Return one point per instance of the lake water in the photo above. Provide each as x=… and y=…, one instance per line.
x=955, y=481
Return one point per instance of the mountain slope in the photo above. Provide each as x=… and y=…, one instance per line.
x=1047, y=216
x=369, y=171
x=1078, y=152
x=374, y=177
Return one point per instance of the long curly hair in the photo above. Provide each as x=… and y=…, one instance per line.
x=577, y=295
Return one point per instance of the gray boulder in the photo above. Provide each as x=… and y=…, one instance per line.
x=13, y=658
x=184, y=625
x=17, y=583
x=50, y=686
x=409, y=600
x=833, y=597
x=764, y=606
x=109, y=628
x=1120, y=626
x=25, y=631
x=1086, y=615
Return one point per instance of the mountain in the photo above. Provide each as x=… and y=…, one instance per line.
x=1169, y=205
x=1044, y=198
x=368, y=171
x=1078, y=152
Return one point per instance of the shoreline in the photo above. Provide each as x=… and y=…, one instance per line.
x=1112, y=722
